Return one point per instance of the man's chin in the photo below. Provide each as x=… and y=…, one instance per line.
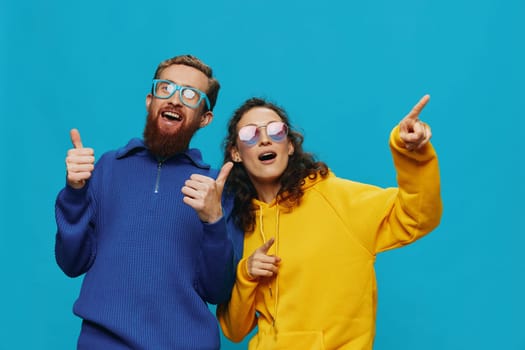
x=168, y=126
x=166, y=133
x=167, y=140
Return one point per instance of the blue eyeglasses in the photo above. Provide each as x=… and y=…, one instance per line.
x=189, y=96
x=250, y=134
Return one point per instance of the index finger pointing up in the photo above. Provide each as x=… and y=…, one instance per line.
x=75, y=138
x=266, y=246
x=416, y=110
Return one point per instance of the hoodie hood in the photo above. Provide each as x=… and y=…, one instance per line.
x=307, y=185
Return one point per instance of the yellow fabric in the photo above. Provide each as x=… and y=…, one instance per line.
x=324, y=296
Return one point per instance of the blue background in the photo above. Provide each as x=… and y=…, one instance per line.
x=347, y=72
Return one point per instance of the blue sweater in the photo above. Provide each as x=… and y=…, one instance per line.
x=151, y=266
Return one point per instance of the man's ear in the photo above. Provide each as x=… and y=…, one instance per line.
x=148, y=101
x=206, y=119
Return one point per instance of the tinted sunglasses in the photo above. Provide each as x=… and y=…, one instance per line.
x=251, y=134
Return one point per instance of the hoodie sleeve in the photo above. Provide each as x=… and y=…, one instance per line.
x=416, y=205
x=386, y=218
x=397, y=216
x=237, y=317
x=75, y=248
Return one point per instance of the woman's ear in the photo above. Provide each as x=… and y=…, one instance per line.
x=234, y=154
x=291, y=148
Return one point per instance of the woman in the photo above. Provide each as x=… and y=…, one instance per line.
x=306, y=277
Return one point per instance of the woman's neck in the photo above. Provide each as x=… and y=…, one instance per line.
x=267, y=192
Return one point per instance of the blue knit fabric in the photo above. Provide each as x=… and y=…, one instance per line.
x=150, y=264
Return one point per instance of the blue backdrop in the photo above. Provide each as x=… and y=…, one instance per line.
x=347, y=72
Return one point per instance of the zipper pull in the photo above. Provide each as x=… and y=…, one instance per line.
x=157, y=181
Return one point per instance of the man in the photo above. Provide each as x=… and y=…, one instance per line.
x=145, y=225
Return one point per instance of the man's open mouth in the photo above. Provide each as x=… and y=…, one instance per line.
x=171, y=116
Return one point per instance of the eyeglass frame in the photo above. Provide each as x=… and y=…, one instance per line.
x=257, y=127
x=179, y=88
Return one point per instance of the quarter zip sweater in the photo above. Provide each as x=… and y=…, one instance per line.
x=150, y=264
x=324, y=295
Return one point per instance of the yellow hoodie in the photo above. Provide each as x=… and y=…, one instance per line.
x=324, y=296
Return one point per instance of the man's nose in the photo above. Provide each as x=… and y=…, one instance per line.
x=175, y=98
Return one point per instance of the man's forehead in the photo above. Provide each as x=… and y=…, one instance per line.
x=185, y=75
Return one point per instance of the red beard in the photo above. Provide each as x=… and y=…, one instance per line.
x=165, y=145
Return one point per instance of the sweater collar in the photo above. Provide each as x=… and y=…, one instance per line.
x=137, y=146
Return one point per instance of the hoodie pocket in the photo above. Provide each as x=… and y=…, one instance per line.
x=288, y=341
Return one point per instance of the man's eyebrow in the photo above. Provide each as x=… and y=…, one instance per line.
x=174, y=82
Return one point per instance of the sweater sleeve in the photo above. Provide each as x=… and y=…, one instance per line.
x=238, y=317
x=74, y=244
x=415, y=207
x=216, y=265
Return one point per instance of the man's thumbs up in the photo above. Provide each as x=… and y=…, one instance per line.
x=75, y=138
x=203, y=194
x=80, y=162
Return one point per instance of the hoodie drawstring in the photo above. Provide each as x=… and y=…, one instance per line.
x=261, y=229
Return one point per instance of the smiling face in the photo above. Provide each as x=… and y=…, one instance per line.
x=170, y=124
x=266, y=159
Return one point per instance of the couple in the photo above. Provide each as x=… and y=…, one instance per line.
x=275, y=239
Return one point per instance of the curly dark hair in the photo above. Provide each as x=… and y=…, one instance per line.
x=300, y=166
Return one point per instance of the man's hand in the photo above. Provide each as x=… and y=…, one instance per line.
x=260, y=264
x=80, y=162
x=203, y=194
x=413, y=132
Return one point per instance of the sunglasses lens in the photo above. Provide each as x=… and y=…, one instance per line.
x=248, y=134
x=277, y=131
